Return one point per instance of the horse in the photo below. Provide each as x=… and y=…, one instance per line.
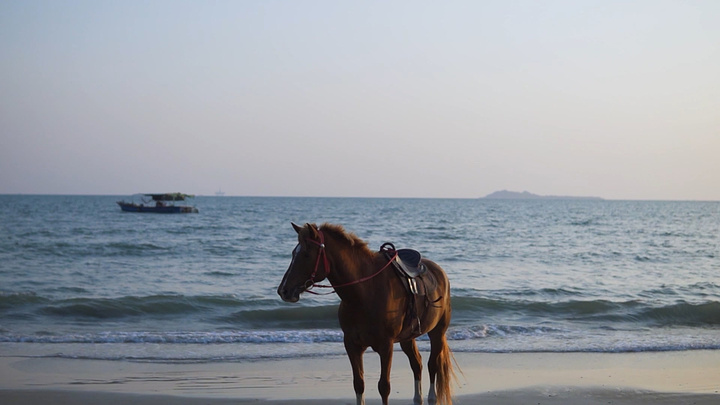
x=373, y=307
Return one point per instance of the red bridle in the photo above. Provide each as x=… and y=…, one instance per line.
x=310, y=284
x=321, y=253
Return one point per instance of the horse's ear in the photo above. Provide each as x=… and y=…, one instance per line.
x=313, y=231
x=296, y=227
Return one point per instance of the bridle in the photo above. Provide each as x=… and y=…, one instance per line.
x=310, y=283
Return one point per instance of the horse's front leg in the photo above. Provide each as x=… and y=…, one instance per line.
x=355, y=354
x=386, y=352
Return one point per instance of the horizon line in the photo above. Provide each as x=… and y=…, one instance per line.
x=542, y=197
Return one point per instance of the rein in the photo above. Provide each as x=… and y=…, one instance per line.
x=310, y=284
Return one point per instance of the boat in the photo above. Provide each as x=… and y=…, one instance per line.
x=161, y=204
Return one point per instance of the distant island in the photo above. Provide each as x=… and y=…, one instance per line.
x=514, y=195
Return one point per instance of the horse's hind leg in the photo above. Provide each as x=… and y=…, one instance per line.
x=439, y=365
x=411, y=350
x=355, y=354
x=435, y=349
x=432, y=370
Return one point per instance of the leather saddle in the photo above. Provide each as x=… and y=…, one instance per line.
x=408, y=263
x=418, y=283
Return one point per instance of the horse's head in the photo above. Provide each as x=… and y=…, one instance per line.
x=309, y=263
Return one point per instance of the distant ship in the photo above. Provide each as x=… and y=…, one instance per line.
x=219, y=193
x=160, y=204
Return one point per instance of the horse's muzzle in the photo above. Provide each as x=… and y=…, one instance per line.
x=289, y=295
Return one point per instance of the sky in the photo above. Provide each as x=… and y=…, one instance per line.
x=452, y=99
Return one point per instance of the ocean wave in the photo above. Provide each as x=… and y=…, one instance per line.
x=687, y=314
x=223, y=337
x=245, y=309
x=129, y=306
x=569, y=308
x=324, y=335
x=525, y=306
x=220, y=274
x=12, y=300
x=638, y=312
x=223, y=346
x=300, y=317
x=323, y=351
x=488, y=331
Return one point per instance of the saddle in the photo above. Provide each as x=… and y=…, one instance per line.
x=416, y=279
x=408, y=261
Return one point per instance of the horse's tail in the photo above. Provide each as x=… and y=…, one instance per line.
x=445, y=374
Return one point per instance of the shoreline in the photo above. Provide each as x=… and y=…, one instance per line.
x=498, y=378
x=559, y=396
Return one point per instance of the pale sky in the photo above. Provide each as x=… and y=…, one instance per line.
x=617, y=99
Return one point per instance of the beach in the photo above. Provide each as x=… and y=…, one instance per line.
x=687, y=377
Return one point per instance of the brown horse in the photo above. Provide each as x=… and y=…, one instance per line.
x=373, y=308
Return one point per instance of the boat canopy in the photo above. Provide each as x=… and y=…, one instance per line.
x=170, y=196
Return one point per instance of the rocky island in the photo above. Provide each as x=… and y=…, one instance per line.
x=525, y=195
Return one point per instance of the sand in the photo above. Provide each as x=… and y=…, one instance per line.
x=690, y=377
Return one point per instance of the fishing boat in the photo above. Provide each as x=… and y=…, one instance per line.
x=161, y=204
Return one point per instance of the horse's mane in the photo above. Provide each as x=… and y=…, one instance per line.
x=339, y=233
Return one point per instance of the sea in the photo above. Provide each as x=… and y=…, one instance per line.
x=81, y=279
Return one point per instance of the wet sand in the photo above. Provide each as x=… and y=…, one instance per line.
x=690, y=377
